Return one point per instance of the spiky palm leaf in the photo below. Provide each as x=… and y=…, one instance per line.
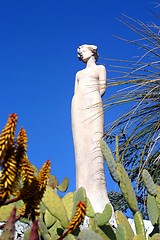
x=139, y=127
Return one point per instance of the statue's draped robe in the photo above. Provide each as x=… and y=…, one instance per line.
x=87, y=130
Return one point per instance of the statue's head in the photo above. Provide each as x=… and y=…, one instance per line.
x=85, y=51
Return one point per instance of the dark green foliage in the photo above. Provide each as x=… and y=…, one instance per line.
x=118, y=201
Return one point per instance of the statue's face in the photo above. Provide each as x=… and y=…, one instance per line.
x=85, y=53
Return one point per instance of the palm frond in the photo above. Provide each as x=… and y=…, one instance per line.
x=138, y=83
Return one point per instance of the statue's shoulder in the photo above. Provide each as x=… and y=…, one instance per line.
x=79, y=73
x=101, y=67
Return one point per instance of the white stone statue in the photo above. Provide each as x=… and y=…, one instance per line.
x=87, y=127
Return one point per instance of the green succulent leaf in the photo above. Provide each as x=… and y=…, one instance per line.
x=122, y=220
x=152, y=209
x=87, y=234
x=139, y=224
x=126, y=188
x=110, y=160
x=64, y=185
x=68, y=203
x=104, y=217
x=55, y=206
x=148, y=182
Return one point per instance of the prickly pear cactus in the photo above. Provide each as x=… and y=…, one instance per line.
x=104, y=217
x=68, y=203
x=152, y=209
x=120, y=232
x=64, y=185
x=110, y=160
x=61, y=218
x=122, y=220
x=34, y=232
x=43, y=231
x=26, y=234
x=139, y=237
x=56, y=230
x=117, y=149
x=79, y=195
x=6, y=210
x=139, y=224
x=70, y=237
x=89, y=211
x=55, y=206
x=87, y=234
x=9, y=228
x=156, y=236
x=126, y=188
x=105, y=232
x=148, y=182
x=158, y=197
x=52, y=182
x=49, y=219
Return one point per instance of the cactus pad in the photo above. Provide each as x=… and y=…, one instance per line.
x=139, y=224
x=152, y=209
x=54, y=205
x=87, y=234
x=68, y=203
x=6, y=210
x=79, y=195
x=110, y=160
x=105, y=216
x=64, y=185
x=89, y=211
x=148, y=182
x=9, y=228
x=126, y=188
x=122, y=220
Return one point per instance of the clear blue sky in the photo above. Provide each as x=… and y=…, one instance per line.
x=38, y=62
